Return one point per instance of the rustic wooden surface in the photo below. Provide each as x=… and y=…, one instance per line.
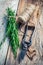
x=37, y=60
x=4, y=4
x=26, y=61
x=3, y=50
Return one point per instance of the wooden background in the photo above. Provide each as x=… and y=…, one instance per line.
x=3, y=6
x=8, y=59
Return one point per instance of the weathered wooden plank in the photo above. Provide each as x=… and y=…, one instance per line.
x=4, y=47
x=33, y=20
x=3, y=6
x=21, y=8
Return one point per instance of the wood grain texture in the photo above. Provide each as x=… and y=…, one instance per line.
x=26, y=61
x=3, y=6
x=3, y=50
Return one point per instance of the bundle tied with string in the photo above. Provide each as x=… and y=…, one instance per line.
x=12, y=31
x=26, y=14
